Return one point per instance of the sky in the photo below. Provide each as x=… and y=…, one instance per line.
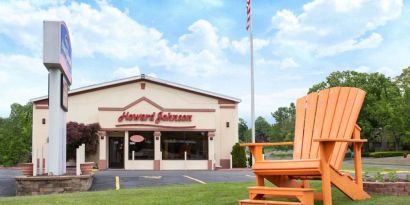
x=204, y=44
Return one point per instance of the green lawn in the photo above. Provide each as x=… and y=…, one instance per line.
x=215, y=193
x=373, y=169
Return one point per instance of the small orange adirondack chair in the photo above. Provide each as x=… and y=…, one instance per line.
x=325, y=126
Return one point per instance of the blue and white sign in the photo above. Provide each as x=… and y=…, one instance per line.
x=57, y=48
x=65, y=52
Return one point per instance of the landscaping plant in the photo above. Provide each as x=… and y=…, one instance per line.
x=379, y=177
x=392, y=176
x=79, y=133
x=238, y=156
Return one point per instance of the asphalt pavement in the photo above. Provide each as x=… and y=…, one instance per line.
x=7, y=182
x=106, y=179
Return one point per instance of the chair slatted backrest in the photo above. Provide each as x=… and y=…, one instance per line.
x=330, y=113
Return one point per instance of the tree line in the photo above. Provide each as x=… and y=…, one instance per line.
x=384, y=118
x=15, y=135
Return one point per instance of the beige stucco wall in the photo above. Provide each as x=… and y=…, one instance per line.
x=83, y=108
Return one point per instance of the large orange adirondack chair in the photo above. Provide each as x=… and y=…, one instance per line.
x=325, y=126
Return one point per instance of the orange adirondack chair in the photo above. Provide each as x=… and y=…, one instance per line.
x=325, y=126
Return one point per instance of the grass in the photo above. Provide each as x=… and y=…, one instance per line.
x=387, y=161
x=372, y=169
x=214, y=193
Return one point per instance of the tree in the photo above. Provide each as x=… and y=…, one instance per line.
x=380, y=117
x=262, y=129
x=244, y=132
x=403, y=82
x=284, y=127
x=238, y=156
x=79, y=133
x=15, y=135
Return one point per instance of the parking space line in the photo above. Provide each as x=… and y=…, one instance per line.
x=152, y=177
x=191, y=178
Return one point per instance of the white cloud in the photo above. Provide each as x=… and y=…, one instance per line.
x=270, y=101
x=200, y=52
x=3, y=76
x=206, y=3
x=21, y=78
x=126, y=72
x=329, y=27
x=390, y=72
x=284, y=64
x=152, y=75
x=373, y=41
x=242, y=46
x=108, y=31
x=202, y=36
x=362, y=69
x=103, y=30
x=33, y=66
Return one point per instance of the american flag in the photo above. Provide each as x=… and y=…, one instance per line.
x=248, y=13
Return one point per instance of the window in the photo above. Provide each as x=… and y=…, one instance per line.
x=175, y=144
x=144, y=149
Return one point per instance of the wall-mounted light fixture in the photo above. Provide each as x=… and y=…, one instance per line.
x=43, y=121
x=102, y=137
x=227, y=124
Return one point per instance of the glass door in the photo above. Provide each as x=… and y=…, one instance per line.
x=116, y=152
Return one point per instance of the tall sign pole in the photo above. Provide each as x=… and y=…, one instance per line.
x=249, y=27
x=57, y=59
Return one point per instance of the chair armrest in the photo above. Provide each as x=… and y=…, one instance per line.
x=267, y=144
x=340, y=140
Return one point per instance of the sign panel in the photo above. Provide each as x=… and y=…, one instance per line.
x=137, y=138
x=64, y=94
x=65, y=51
x=57, y=48
x=155, y=117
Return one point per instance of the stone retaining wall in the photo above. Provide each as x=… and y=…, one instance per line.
x=40, y=185
x=388, y=188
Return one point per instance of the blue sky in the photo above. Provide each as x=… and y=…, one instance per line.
x=204, y=44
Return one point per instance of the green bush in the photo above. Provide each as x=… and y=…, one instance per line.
x=379, y=177
x=386, y=154
x=281, y=155
x=238, y=156
x=392, y=176
x=365, y=154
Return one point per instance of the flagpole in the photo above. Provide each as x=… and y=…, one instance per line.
x=252, y=79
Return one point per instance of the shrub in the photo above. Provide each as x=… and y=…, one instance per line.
x=238, y=156
x=379, y=177
x=392, y=176
x=79, y=133
x=281, y=155
x=386, y=154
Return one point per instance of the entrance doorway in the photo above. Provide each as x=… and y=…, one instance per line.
x=116, y=152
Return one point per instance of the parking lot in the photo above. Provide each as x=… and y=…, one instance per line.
x=128, y=179
x=7, y=183
x=106, y=179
